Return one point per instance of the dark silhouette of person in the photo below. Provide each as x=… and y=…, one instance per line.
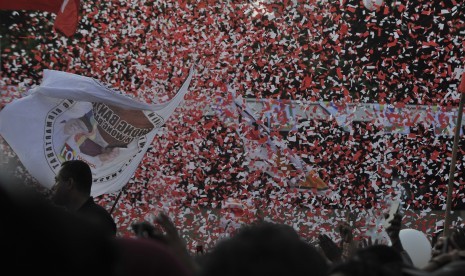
x=264, y=249
x=38, y=237
x=373, y=260
x=72, y=191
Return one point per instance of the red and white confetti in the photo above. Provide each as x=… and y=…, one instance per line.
x=404, y=53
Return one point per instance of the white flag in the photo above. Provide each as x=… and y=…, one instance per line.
x=72, y=117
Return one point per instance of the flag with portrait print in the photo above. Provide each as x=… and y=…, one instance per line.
x=70, y=117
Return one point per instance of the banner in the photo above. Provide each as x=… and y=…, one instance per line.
x=342, y=114
x=392, y=119
x=268, y=154
x=72, y=117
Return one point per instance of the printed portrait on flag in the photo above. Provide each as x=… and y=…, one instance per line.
x=100, y=134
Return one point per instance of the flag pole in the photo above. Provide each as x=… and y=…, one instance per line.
x=116, y=201
x=450, y=186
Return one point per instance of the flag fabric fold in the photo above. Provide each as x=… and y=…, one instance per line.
x=71, y=117
x=67, y=19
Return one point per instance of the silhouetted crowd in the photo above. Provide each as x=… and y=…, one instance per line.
x=41, y=235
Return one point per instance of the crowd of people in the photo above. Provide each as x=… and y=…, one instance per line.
x=66, y=236
x=335, y=51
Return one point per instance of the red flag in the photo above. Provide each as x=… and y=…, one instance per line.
x=67, y=11
x=37, y=5
x=462, y=84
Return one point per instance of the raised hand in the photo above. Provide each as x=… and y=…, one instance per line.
x=345, y=230
x=393, y=231
x=166, y=232
x=347, y=240
x=443, y=259
x=145, y=229
x=330, y=248
x=367, y=242
x=175, y=241
x=168, y=226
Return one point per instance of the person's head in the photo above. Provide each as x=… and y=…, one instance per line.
x=264, y=249
x=456, y=240
x=376, y=260
x=74, y=178
x=451, y=269
x=379, y=254
x=38, y=236
x=144, y=256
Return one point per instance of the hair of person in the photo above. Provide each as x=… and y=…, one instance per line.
x=80, y=172
x=374, y=260
x=458, y=237
x=144, y=256
x=451, y=269
x=380, y=253
x=264, y=249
